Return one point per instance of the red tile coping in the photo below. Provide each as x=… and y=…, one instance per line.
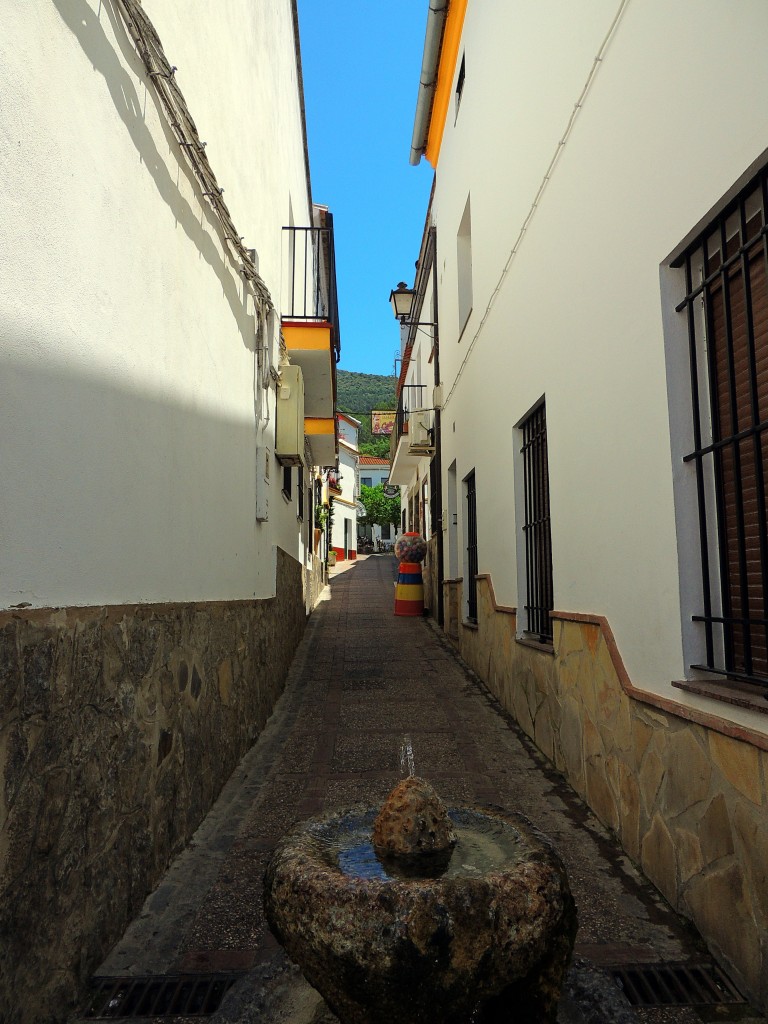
x=704, y=718
x=496, y=606
x=707, y=719
x=741, y=696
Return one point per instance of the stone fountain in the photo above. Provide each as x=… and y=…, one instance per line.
x=423, y=914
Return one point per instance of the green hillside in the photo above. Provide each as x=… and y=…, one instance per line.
x=357, y=394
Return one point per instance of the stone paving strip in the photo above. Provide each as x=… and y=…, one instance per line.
x=368, y=694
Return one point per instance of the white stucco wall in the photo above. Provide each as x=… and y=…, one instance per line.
x=344, y=503
x=376, y=474
x=127, y=390
x=373, y=476
x=659, y=139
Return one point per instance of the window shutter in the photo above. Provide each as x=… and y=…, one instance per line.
x=737, y=303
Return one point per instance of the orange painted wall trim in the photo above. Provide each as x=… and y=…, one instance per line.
x=707, y=719
x=449, y=52
x=315, y=336
x=314, y=425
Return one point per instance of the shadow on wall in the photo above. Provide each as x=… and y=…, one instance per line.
x=112, y=495
x=119, y=725
x=119, y=728
x=197, y=224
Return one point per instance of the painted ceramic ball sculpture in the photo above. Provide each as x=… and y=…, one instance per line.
x=411, y=547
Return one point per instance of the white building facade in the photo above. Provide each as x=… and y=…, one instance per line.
x=598, y=285
x=374, y=472
x=415, y=444
x=154, y=578
x=345, y=489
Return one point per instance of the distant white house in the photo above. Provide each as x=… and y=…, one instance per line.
x=344, y=489
x=375, y=471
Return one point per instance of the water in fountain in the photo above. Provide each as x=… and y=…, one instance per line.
x=407, y=760
x=484, y=845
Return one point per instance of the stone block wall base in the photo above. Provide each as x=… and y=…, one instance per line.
x=686, y=793
x=118, y=728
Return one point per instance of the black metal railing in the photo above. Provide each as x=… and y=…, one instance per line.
x=411, y=400
x=536, y=528
x=311, y=267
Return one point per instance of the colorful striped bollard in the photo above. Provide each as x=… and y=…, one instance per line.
x=411, y=549
x=409, y=590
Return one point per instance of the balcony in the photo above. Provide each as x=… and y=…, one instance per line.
x=310, y=327
x=413, y=437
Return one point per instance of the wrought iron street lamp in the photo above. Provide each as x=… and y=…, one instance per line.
x=402, y=305
x=402, y=301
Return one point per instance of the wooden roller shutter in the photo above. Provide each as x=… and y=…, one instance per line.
x=737, y=307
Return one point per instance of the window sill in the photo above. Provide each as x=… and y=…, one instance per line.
x=741, y=695
x=464, y=325
x=286, y=497
x=470, y=624
x=535, y=645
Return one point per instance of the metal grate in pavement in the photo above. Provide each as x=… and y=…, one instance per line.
x=188, y=995
x=683, y=984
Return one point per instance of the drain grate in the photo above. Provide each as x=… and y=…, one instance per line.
x=702, y=984
x=188, y=995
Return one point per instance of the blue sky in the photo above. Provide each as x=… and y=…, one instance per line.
x=361, y=63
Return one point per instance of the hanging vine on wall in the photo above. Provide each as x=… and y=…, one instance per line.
x=321, y=516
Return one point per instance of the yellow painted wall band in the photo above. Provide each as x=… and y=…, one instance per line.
x=449, y=52
x=315, y=425
x=307, y=336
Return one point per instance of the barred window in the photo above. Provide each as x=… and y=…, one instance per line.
x=539, y=600
x=471, y=570
x=726, y=309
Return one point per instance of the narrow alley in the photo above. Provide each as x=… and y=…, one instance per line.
x=368, y=691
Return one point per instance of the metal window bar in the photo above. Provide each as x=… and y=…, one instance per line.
x=435, y=513
x=471, y=548
x=536, y=528
x=411, y=398
x=311, y=290
x=732, y=259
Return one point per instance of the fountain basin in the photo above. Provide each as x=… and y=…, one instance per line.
x=487, y=941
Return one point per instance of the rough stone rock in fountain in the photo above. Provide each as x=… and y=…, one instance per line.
x=485, y=948
x=413, y=829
